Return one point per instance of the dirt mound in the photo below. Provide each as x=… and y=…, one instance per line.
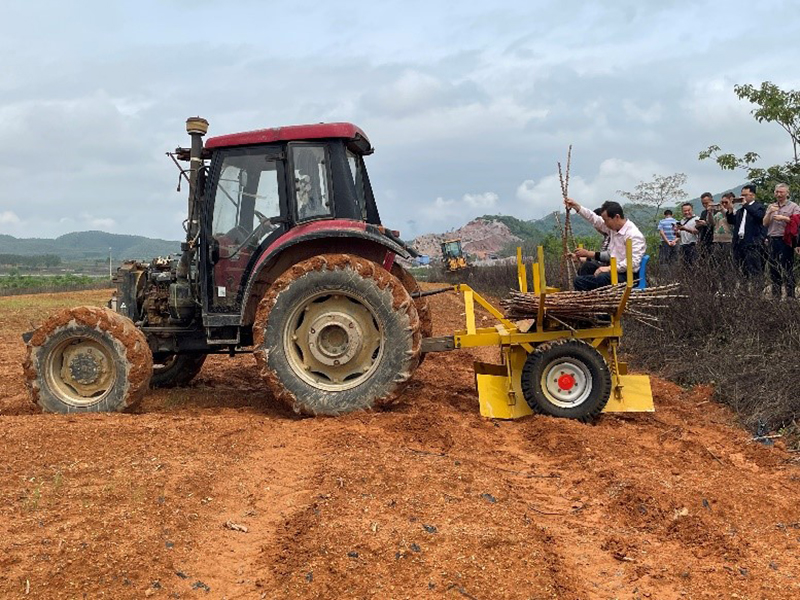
x=217, y=491
x=479, y=237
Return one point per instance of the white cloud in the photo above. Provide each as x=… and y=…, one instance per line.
x=411, y=92
x=544, y=196
x=482, y=201
x=448, y=210
x=8, y=217
x=104, y=224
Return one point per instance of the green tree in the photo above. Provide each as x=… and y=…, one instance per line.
x=773, y=105
x=662, y=190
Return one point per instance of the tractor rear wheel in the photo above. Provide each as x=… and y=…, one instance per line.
x=87, y=359
x=566, y=378
x=176, y=370
x=337, y=333
x=423, y=306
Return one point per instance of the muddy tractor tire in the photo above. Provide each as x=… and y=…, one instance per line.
x=566, y=378
x=176, y=370
x=337, y=333
x=423, y=306
x=87, y=359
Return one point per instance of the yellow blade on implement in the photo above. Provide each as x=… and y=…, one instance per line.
x=635, y=395
x=499, y=399
x=497, y=396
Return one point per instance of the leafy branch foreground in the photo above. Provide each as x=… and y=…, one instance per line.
x=718, y=333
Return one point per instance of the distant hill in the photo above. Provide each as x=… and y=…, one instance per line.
x=88, y=245
x=481, y=237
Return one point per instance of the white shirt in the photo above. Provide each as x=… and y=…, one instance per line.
x=687, y=237
x=744, y=219
x=617, y=239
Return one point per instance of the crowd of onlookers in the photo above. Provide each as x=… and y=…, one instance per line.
x=738, y=234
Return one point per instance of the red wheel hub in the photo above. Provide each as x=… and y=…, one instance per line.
x=566, y=382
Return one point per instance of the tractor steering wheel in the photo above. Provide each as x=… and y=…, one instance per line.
x=257, y=233
x=262, y=226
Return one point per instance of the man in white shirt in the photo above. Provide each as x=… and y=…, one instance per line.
x=687, y=230
x=613, y=223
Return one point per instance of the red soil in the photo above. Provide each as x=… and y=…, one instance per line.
x=425, y=500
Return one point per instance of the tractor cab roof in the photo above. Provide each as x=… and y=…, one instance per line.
x=295, y=133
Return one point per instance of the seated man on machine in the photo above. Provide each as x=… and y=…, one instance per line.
x=589, y=264
x=612, y=222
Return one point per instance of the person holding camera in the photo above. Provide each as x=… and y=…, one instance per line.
x=722, y=252
x=705, y=224
x=687, y=231
x=781, y=254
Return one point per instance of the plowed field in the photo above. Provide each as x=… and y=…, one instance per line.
x=214, y=491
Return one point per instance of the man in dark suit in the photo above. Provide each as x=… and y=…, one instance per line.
x=748, y=234
x=705, y=225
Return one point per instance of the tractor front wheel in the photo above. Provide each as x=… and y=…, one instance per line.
x=176, y=370
x=87, y=359
x=566, y=378
x=337, y=333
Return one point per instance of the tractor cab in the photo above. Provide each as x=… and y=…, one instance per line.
x=265, y=199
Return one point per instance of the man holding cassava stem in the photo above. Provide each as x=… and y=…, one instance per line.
x=781, y=255
x=613, y=223
x=590, y=265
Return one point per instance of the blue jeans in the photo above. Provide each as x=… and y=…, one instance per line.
x=584, y=283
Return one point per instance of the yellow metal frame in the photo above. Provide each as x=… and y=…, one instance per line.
x=500, y=386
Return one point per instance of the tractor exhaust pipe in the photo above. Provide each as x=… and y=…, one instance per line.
x=196, y=127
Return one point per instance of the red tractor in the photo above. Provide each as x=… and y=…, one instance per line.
x=285, y=258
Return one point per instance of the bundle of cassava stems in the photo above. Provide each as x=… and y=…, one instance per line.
x=592, y=307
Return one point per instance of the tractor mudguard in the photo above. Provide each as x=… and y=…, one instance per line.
x=337, y=231
x=330, y=228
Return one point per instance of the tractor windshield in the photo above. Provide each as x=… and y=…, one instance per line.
x=452, y=248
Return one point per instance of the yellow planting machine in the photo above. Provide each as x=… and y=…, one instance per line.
x=546, y=365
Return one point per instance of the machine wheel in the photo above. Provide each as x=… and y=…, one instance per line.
x=423, y=306
x=336, y=333
x=566, y=378
x=176, y=370
x=87, y=359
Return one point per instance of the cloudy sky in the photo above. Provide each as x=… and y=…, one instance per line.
x=469, y=104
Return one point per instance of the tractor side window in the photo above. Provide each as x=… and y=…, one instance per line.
x=246, y=211
x=311, y=182
x=228, y=198
x=267, y=201
x=357, y=173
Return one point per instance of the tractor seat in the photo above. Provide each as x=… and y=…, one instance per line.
x=642, y=269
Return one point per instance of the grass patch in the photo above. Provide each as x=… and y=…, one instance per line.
x=15, y=284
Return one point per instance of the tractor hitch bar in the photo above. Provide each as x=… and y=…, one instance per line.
x=432, y=292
